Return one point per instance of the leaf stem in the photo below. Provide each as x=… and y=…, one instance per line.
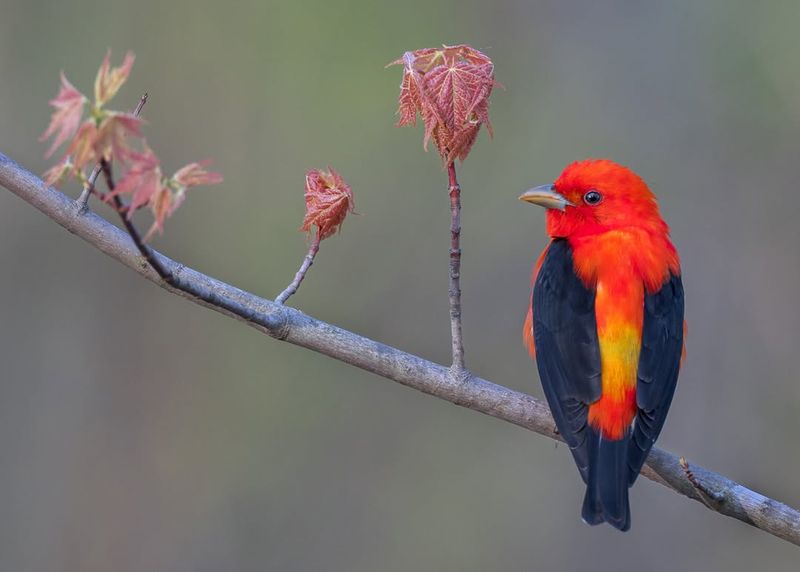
x=122, y=209
x=454, y=289
x=301, y=273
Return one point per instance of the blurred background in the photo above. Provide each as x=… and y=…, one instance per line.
x=140, y=432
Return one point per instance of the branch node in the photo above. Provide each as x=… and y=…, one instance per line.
x=277, y=323
x=711, y=499
x=82, y=202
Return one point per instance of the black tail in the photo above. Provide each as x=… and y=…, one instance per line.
x=606, y=497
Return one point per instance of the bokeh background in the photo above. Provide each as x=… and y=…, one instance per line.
x=140, y=432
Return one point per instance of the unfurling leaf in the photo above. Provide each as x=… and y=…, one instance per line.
x=328, y=201
x=82, y=147
x=109, y=136
x=196, y=174
x=109, y=80
x=449, y=87
x=172, y=194
x=103, y=135
x=148, y=187
x=111, y=141
x=64, y=122
x=143, y=180
x=58, y=172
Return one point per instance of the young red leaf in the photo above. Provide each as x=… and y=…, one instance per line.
x=57, y=172
x=195, y=174
x=328, y=201
x=111, y=140
x=450, y=89
x=162, y=205
x=109, y=80
x=66, y=117
x=82, y=146
x=143, y=180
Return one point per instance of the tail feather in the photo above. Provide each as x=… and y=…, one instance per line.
x=606, y=498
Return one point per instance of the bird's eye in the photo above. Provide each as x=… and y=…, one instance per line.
x=592, y=198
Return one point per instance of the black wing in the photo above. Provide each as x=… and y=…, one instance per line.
x=567, y=351
x=659, y=362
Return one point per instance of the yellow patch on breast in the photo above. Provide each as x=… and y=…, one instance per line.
x=620, y=344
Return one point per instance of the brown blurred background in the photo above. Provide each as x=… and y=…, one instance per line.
x=140, y=432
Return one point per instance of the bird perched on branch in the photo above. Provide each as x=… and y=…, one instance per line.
x=606, y=326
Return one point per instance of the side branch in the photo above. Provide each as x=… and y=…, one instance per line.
x=730, y=498
x=145, y=250
x=454, y=290
x=291, y=289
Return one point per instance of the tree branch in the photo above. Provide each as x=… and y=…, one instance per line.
x=454, y=289
x=284, y=323
x=301, y=273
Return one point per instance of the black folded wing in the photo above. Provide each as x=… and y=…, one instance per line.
x=567, y=350
x=659, y=362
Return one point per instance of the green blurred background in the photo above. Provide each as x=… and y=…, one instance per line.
x=139, y=432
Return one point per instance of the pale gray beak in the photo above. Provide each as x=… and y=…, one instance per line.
x=546, y=197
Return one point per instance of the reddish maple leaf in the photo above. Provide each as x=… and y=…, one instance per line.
x=328, y=201
x=111, y=137
x=57, y=172
x=67, y=115
x=450, y=88
x=166, y=200
x=109, y=80
x=143, y=180
x=196, y=174
x=81, y=149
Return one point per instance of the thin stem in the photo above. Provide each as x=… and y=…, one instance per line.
x=454, y=290
x=301, y=273
x=122, y=209
x=88, y=189
x=83, y=201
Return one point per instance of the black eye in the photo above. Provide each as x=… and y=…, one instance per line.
x=592, y=198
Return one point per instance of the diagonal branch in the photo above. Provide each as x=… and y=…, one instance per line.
x=284, y=323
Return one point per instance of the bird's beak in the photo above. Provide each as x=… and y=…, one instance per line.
x=545, y=196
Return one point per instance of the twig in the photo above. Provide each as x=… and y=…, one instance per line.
x=706, y=495
x=122, y=209
x=454, y=289
x=301, y=273
x=295, y=327
x=83, y=200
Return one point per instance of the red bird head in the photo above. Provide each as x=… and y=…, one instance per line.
x=594, y=196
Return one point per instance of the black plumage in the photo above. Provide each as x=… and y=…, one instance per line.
x=568, y=359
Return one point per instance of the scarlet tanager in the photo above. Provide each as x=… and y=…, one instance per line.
x=606, y=326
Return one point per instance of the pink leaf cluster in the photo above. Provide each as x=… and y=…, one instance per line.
x=103, y=135
x=68, y=110
x=148, y=187
x=328, y=201
x=108, y=135
x=109, y=80
x=449, y=87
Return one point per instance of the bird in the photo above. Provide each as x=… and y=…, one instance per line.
x=605, y=325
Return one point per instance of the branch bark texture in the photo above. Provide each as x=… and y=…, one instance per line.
x=291, y=289
x=717, y=492
x=454, y=289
